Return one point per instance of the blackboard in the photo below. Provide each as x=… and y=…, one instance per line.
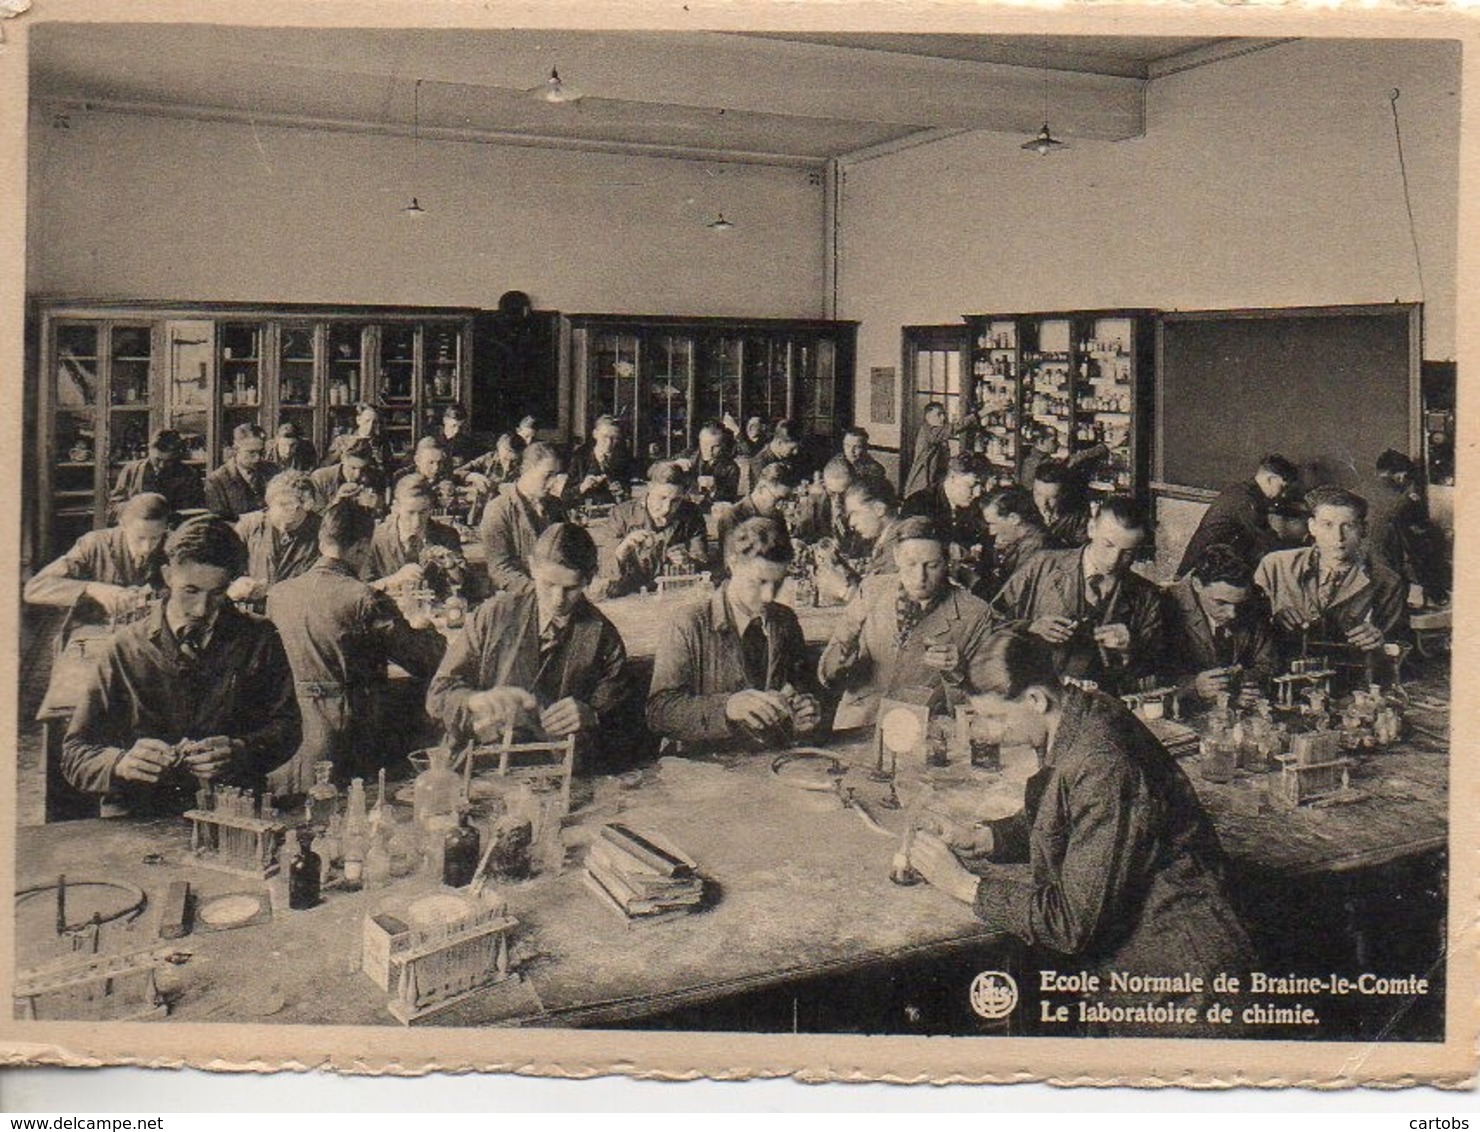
x=1329, y=387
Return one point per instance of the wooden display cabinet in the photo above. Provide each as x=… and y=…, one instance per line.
x=1087, y=375
x=111, y=373
x=662, y=377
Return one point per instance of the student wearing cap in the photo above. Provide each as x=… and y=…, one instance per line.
x=356, y=476
x=552, y=666
x=651, y=532
x=912, y=628
x=163, y=472
x=733, y=670
x=282, y=539
x=1239, y=517
x=516, y=519
x=116, y=569
x=194, y=691
x=600, y=470
x=402, y=538
x=338, y=634
x=1219, y=636
x=1102, y=620
x=238, y=485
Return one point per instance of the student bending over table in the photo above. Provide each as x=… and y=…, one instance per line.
x=734, y=667
x=1126, y=866
x=195, y=690
x=354, y=476
x=338, y=633
x=909, y=629
x=1216, y=620
x=824, y=514
x=117, y=568
x=1102, y=620
x=650, y=532
x=873, y=534
x=772, y=487
x=1016, y=532
x=553, y=665
x=1239, y=517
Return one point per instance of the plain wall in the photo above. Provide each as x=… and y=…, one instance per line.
x=1266, y=180
x=132, y=206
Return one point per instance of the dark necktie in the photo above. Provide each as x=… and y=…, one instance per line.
x=755, y=654
x=909, y=613
x=413, y=549
x=1096, y=586
x=192, y=641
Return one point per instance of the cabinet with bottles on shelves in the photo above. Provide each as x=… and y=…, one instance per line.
x=662, y=377
x=113, y=373
x=1080, y=378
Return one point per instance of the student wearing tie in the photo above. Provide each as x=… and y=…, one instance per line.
x=601, y=470
x=1332, y=592
x=194, y=691
x=237, y=487
x=513, y=521
x=1216, y=620
x=911, y=628
x=554, y=666
x=733, y=670
x=651, y=533
x=1102, y=620
x=396, y=550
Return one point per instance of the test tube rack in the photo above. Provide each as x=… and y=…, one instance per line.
x=429, y=970
x=114, y=988
x=547, y=764
x=1288, y=687
x=1164, y=698
x=681, y=583
x=228, y=835
x=1313, y=770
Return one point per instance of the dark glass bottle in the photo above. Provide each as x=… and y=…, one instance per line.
x=460, y=853
x=303, y=873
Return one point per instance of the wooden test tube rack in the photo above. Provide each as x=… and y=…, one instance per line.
x=430, y=970
x=226, y=836
x=92, y=987
x=1287, y=687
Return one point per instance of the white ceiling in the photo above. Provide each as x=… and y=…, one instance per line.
x=785, y=98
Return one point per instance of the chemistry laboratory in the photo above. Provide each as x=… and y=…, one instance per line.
x=763, y=531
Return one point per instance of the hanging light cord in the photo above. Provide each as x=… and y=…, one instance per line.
x=1407, y=196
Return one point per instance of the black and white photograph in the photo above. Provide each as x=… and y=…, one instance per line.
x=781, y=529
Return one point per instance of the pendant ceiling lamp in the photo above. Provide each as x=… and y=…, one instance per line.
x=1045, y=143
x=555, y=90
x=720, y=224
x=414, y=211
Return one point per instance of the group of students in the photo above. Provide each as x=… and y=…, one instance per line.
x=1020, y=597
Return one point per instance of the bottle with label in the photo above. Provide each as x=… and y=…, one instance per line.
x=323, y=795
x=304, y=873
x=460, y=848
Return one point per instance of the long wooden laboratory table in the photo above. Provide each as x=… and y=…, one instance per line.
x=800, y=889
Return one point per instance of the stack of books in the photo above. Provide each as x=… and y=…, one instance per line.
x=641, y=878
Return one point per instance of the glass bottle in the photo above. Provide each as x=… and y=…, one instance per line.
x=377, y=861
x=460, y=847
x=436, y=791
x=323, y=795
x=304, y=873
x=356, y=834
x=402, y=844
x=331, y=849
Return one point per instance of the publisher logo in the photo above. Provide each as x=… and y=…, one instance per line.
x=994, y=994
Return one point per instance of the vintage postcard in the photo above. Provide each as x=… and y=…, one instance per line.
x=850, y=543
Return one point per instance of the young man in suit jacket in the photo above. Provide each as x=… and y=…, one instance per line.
x=237, y=487
x=1102, y=620
x=396, y=549
x=554, y=666
x=1216, y=620
x=516, y=519
x=907, y=629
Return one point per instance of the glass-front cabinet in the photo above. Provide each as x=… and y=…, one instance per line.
x=663, y=377
x=111, y=374
x=1080, y=381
